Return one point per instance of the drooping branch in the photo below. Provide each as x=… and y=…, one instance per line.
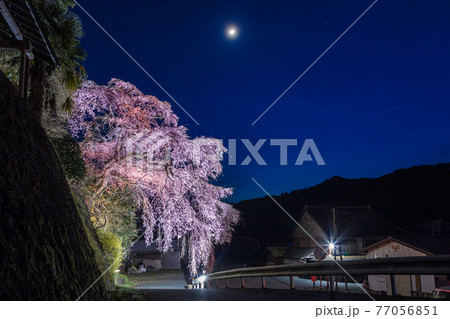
x=133, y=140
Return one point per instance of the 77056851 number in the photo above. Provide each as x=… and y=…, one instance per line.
x=407, y=310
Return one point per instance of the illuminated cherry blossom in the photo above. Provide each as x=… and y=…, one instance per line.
x=134, y=140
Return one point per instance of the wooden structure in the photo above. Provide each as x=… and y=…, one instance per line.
x=152, y=258
x=407, y=247
x=20, y=31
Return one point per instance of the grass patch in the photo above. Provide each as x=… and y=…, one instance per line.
x=155, y=275
x=122, y=281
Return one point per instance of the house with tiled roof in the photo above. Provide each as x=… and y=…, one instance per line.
x=349, y=228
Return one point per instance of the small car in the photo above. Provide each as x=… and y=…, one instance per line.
x=442, y=293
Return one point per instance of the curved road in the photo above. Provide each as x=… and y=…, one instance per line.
x=271, y=283
x=277, y=289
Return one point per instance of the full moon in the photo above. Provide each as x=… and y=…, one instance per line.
x=232, y=32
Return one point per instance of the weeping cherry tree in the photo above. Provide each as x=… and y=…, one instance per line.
x=133, y=141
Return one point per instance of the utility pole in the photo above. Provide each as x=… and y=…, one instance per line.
x=334, y=223
x=335, y=236
x=330, y=252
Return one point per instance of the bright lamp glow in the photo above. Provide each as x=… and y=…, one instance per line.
x=202, y=279
x=331, y=246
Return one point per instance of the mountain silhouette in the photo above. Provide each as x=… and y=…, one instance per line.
x=407, y=198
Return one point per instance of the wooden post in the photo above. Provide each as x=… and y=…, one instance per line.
x=291, y=283
x=27, y=77
x=227, y=283
x=23, y=73
x=346, y=285
x=332, y=296
x=263, y=282
x=393, y=286
x=242, y=282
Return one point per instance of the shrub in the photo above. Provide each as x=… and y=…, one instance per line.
x=112, y=248
x=70, y=156
x=123, y=281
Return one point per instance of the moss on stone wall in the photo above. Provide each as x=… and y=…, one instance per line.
x=47, y=250
x=99, y=255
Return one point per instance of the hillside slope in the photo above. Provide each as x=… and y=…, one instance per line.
x=414, y=194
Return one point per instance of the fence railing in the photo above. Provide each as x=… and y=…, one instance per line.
x=422, y=265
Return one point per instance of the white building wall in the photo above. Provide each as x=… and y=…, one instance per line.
x=377, y=282
x=404, y=283
x=394, y=249
x=426, y=281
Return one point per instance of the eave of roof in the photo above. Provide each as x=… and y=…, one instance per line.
x=18, y=21
x=389, y=240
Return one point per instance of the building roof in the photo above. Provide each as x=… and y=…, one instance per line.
x=141, y=246
x=426, y=245
x=298, y=253
x=352, y=221
x=19, y=24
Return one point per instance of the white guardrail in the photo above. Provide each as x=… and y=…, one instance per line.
x=422, y=265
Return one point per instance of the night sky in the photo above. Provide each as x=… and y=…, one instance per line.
x=377, y=101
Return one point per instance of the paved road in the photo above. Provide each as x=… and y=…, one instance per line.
x=278, y=290
x=238, y=295
x=250, y=295
x=271, y=283
x=175, y=283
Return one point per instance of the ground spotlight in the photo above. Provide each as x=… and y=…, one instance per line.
x=202, y=279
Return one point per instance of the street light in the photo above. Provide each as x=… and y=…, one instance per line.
x=332, y=250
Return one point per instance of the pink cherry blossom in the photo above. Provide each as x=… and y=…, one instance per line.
x=131, y=139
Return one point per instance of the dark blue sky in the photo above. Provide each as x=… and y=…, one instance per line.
x=377, y=101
